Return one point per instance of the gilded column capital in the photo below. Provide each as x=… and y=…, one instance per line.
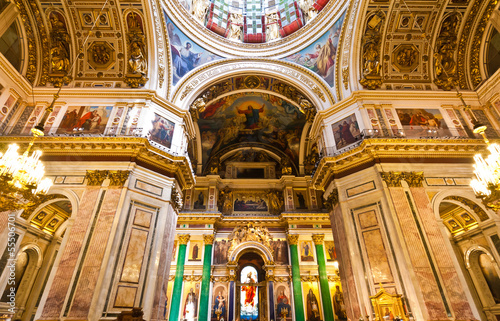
x=332, y=200
x=183, y=238
x=118, y=178
x=208, y=238
x=293, y=239
x=392, y=179
x=95, y=178
x=318, y=239
x=414, y=179
x=176, y=199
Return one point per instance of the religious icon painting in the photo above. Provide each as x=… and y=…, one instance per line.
x=422, y=122
x=306, y=251
x=300, y=198
x=195, y=251
x=312, y=301
x=219, y=301
x=346, y=131
x=331, y=254
x=338, y=301
x=200, y=198
x=282, y=303
x=174, y=251
x=221, y=246
x=162, y=131
x=190, y=300
x=85, y=120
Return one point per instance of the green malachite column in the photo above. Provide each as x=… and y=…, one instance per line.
x=175, y=305
x=297, y=290
x=323, y=277
x=205, y=278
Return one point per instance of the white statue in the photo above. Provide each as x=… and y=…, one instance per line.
x=307, y=8
x=235, y=26
x=200, y=8
x=272, y=27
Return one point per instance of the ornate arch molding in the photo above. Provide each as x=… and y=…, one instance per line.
x=251, y=246
x=463, y=199
x=290, y=44
x=474, y=250
x=317, y=90
x=470, y=72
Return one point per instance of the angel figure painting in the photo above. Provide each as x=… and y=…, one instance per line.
x=320, y=56
x=186, y=55
x=249, y=297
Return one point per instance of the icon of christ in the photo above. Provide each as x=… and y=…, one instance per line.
x=249, y=291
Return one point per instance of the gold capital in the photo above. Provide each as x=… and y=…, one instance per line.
x=293, y=239
x=392, y=179
x=118, y=178
x=183, y=238
x=332, y=200
x=414, y=179
x=318, y=238
x=95, y=178
x=208, y=238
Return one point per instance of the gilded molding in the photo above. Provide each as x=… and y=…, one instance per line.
x=309, y=278
x=44, y=76
x=414, y=179
x=192, y=278
x=183, y=238
x=293, y=239
x=332, y=200
x=318, y=239
x=96, y=178
x=476, y=208
x=30, y=36
x=392, y=179
x=208, y=239
x=118, y=178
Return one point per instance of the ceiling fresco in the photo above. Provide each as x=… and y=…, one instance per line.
x=258, y=118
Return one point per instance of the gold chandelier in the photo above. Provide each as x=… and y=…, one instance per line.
x=486, y=186
x=21, y=177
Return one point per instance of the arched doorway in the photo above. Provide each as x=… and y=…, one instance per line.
x=251, y=291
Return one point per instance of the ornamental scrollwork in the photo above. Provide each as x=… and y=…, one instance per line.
x=332, y=200
x=137, y=67
x=60, y=53
x=318, y=239
x=183, y=238
x=392, y=179
x=414, y=179
x=96, y=178
x=293, y=239
x=118, y=178
x=176, y=199
x=445, y=66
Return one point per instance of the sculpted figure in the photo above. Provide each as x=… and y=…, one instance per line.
x=137, y=61
x=371, y=63
x=307, y=8
x=59, y=58
x=272, y=27
x=200, y=8
x=235, y=26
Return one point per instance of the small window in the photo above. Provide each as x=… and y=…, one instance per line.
x=10, y=46
x=493, y=53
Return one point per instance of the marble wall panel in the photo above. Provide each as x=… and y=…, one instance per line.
x=135, y=255
x=377, y=257
x=65, y=269
x=125, y=297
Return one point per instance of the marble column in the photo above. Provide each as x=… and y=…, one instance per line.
x=231, y=297
x=270, y=291
x=323, y=278
x=205, y=279
x=297, y=289
x=175, y=305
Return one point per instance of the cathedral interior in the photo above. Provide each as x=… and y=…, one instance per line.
x=234, y=160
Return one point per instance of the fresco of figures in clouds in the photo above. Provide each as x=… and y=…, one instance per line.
x=186, y=54
x=321, y=55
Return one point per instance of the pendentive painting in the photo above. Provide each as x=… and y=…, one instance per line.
x=186, y=54
x=346, y=131
x=251, y=119
x=422, y=122
x=320, y=56
x=85, y=119
x=162, y=131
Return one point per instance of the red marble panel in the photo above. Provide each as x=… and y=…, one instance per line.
x=345, y=265
x=449, y=275
x=76, y=235
x=164, y=266
x=93, y=261
x=428, y=285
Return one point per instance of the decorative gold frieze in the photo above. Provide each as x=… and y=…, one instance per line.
x=318, y=239
x=332, y=200
x=118, y=178
x=183, y=238
x=370, y=56
x=293, y=239
x=392, y=179
x=192, y=278
x=309, y=278
x=208, y=238
x=96, y=178
x=345, y=77
x=414, y=179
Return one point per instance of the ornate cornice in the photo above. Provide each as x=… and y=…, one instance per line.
x=305, y=217
x=130, y=149
x=208, y=239
x=183, y=238
x=318, y=239
x=293, y=239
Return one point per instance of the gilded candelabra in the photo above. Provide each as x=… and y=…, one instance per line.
x=218, y=312
x=284, y=312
